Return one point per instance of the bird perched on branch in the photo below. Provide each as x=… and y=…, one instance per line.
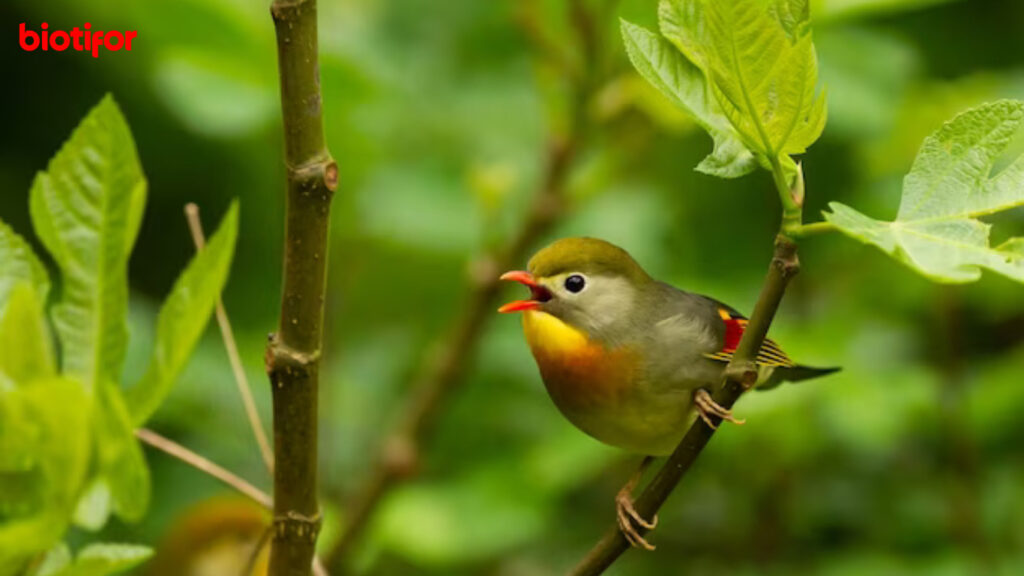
x=627, y=358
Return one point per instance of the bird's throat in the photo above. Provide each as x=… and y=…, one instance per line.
x=549, y=336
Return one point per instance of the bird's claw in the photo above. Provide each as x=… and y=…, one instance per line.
x=707, y=407
x=628, y=519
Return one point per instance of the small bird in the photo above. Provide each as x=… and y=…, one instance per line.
x=626, y=358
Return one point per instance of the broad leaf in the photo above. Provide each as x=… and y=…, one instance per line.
x=86, y=209
x=20, y=264
x=758, y=59
x=25, y=350
x=50, y=418
x=661, y=64
x=183, y=318
x=951, y=184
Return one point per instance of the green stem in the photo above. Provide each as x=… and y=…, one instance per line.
x=813, y=229
x=293, y=354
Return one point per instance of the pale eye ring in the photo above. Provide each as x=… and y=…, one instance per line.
x=575, y=283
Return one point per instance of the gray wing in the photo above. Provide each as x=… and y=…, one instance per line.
x=679, y=329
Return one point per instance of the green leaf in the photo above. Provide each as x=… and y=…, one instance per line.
x=122, y=465
x=105, y=559
x=56, y=559
x=50, y=419
x=94, y=505
x=758, y=59
x=661, y=64
x=20, y=264
x=25, y=349
x=183, y=318
x=86, y=209
x=764, y=74
x=936, y=231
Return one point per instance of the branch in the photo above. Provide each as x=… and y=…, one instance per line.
x=293, y=353
x=741, y=374
x=442, y=372
x=203, y=465
x=195, y=226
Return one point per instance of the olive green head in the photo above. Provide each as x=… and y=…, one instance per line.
x=589, y=256
x=588, y=283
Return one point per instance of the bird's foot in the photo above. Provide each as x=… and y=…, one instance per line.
x=628, y=519
x=707, y=407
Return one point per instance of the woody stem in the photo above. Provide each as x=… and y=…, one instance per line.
x=293, y=354
x=740, y=376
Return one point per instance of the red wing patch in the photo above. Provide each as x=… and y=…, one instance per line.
x=769, y=355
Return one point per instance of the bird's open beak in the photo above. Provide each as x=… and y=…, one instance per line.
x=538, y=293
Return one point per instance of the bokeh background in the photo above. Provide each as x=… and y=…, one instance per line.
x=440, y=114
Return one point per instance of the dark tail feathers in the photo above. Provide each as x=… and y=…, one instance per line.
x=794, y=374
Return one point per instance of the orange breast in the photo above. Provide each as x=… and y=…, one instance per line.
x=578, y=373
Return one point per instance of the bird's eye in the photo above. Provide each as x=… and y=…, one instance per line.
x=575, y=283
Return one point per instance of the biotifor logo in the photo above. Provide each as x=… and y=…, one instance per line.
x=79, y=40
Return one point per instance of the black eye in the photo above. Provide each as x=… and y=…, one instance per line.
x=575, y=283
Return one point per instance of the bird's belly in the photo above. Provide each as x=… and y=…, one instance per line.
x=604, y=392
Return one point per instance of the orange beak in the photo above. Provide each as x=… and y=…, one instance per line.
x=538, y=293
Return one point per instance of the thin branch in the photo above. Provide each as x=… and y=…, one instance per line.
x=293, y=353
x=740, y=376
x=741, y=373
x=204, y=465
x=442, y=372
x=195, y=226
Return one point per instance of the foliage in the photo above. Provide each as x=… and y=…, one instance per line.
x=745, y=69
x=937, y=231
x=909, y=468
x=69, y=450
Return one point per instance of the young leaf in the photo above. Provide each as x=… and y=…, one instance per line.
x=936, y=231
x=658, y=61
x=758, y=59
x=20, y=264
x=106, y=559
x=121, y=463
x=49, y=417
x=25, y=348
x=86, y=209
x=765, y=74
x=183, y=318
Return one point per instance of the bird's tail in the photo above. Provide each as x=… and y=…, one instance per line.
x=796, y=373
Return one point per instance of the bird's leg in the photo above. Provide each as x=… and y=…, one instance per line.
x=626, y=514
x=707, y=407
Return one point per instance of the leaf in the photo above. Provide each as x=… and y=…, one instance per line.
x=183, y=318
x=764, y=73
x=94, y=506
x=950, y=185
x=658, y=61
x=50, y=419
x=86, y=209
x=56, y=559
x=20, y=264
x=122, y=464
x=25, y=348
x=105, y=559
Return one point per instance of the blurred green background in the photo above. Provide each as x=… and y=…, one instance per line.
x=439, y=114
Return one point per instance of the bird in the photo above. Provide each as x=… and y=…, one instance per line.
x=628, y=359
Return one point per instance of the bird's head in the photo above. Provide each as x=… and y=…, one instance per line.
x=585, y=282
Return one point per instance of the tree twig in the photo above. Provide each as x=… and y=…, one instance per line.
x=443, y=371
x=195, y=226
x=741, y=374
x=204, y=465
x=293, y=353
